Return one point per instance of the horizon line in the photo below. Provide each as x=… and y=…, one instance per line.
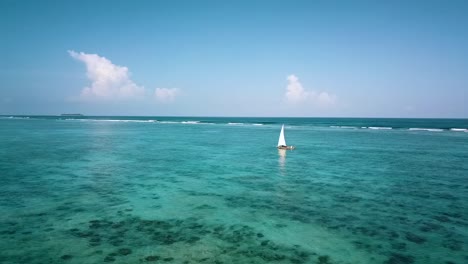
x=207, y=116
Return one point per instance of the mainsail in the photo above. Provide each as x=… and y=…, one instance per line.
x=281, y=140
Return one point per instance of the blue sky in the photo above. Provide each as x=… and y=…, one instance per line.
x=235, y=58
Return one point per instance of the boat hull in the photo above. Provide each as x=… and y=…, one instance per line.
x=286, y=147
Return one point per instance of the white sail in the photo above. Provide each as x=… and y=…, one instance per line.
x=281, y=140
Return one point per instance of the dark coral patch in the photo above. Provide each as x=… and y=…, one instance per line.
x=124, y=251
x=414, y=238
x=323, y=260
x=66, y=257
x=396, y=258
x=442, y=218
x=109, y=259
x=152, y=258
x=399, y=246
x=241, y=240
x=453, y=244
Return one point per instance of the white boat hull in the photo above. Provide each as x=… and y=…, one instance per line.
x=286, y=147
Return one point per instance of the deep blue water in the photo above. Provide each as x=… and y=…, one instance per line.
x=216, y=190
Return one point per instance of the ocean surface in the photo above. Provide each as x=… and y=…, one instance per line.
x=216, y=190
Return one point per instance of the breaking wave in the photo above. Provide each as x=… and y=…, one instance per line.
x=426, y=129
x=14, y=117
x=346, y=127
x=459, y=129
x=381, y=128
x=111, y=120
x=190, y=122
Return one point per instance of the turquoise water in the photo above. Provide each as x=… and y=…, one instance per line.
x=216, y=190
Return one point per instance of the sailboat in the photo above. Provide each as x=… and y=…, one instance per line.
x=282, y=141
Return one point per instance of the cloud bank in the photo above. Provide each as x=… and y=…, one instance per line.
x=296, y=94
x=112, y=82
x=166, y=95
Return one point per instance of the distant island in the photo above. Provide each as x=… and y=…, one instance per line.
x=71, y=114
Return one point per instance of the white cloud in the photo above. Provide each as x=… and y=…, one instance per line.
x=296, y=94
x=166, y=95
x=325, y=99
x=108, y=81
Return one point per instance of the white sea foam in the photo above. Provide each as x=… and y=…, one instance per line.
x=190, y=122
x=426, y=129
x=186, y=122
x=168, y=122
x=346, y=127
x=459, y=129
x=15, y=117
x=111, y=120
x=380, y=128
x=235, y=124
x=127, y=121
x=257, y=124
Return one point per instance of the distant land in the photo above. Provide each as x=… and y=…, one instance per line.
x=71, y=114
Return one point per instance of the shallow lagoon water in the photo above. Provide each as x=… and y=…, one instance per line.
x=172, y=190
